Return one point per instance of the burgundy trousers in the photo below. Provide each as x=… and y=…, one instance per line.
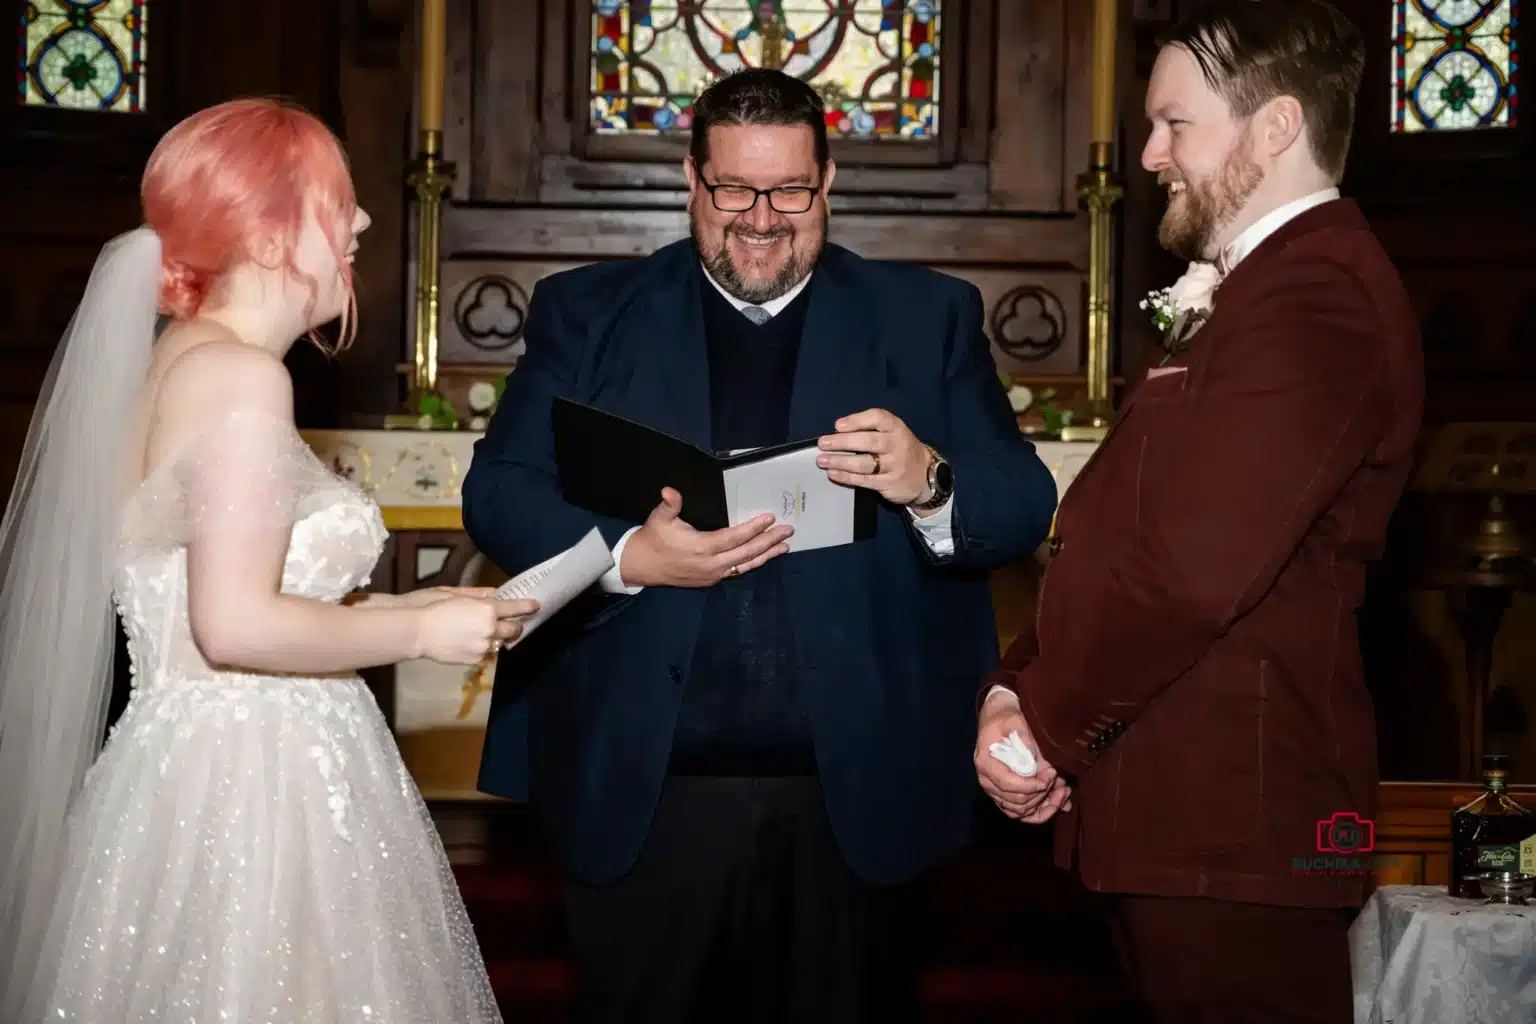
x=1203, y=961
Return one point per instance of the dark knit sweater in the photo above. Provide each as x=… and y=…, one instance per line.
x=742, y=712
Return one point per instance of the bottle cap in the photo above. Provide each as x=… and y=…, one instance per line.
x=1495, y=766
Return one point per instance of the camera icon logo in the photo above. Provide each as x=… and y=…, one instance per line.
x=1347, y=833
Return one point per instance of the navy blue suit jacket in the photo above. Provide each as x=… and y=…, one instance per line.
x=892, y=640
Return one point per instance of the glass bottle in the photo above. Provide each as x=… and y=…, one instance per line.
x=1486, y=833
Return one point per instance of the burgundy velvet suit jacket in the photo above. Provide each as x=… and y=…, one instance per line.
x=1195, y=660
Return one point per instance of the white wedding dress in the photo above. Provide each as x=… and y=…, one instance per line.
x=250, y=848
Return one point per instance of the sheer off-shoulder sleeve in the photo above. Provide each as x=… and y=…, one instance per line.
x=247, y=472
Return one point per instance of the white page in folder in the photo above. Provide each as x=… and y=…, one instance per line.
x=796, y=491
x=557, y=581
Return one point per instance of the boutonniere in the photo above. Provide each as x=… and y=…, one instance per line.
x=1182, y=308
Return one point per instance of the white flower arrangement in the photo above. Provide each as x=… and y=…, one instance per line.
x=482, y=396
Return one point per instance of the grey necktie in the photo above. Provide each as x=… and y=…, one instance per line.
x=757, y=314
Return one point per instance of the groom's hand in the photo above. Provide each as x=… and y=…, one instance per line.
x=1030, y=799
x=667, y=552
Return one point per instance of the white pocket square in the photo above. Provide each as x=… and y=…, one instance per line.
x=1165, y=371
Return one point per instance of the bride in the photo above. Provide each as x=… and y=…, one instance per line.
x=248, y=845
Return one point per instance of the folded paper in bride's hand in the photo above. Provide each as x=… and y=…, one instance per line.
x=617, y=467
x=557, y=581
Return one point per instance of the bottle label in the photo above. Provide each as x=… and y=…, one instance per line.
x=1502, y=857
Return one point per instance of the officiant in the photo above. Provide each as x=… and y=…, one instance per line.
x=742, y=755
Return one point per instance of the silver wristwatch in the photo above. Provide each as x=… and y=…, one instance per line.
x=941, y=482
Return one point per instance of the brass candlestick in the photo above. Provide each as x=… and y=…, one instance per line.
x=1100, y=189
x=432, y=178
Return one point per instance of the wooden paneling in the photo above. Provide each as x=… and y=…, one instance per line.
x=459, y=106
x=1028, y=155
x=1413, y=829
x=981, y=56
x=1077, y=93
x=377, y=51
x=1456, y=213
x=994, y=201
x=485, y=305
x=1034, y=318
x=568, y=181
x=1143, y=264
x=608, y=234
x=70, y=180
x=1031, y=315
x=506, y=145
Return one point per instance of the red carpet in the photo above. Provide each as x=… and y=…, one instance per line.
x=1005, y=937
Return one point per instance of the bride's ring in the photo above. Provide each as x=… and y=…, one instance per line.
x=733, y=571
x=876, y=457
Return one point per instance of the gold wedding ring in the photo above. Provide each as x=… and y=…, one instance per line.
x=876, y=457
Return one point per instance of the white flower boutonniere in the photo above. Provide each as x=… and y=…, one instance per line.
x=1180, y=309
x=1161, y=307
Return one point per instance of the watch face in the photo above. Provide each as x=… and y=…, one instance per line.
x=943, y=478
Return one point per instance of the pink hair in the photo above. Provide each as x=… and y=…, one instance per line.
x=226, y=175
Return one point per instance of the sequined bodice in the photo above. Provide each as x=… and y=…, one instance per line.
x=337, y=536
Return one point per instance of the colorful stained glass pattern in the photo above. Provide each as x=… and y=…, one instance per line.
x=1456, y=65
x=874, y=62
x=82, y=54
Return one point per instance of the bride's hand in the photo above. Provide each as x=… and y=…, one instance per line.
x=422, y=598
x=464, y=631
x=432, y=595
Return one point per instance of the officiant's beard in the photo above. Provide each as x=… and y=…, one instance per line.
x=1195, y=216
x=717, y=260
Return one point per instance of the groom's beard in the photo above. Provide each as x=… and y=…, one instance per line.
x=1194, y=218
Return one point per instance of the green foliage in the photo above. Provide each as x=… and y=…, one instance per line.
x=436, y=412
x=1054, y=418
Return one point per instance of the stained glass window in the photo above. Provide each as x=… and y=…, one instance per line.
x=1455, y=66
x=82, y=54
x=874, y=62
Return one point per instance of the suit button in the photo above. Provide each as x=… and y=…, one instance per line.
x=674, y=673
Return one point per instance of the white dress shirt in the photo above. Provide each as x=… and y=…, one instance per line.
x=936, y=530
x=1233, y=254
x=1268, y=224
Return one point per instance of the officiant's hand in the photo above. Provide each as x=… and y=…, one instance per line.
x=667, y=552
x=890, y=460
x=1030, y=799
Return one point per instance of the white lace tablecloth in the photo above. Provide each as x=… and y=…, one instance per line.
x=1422, y=957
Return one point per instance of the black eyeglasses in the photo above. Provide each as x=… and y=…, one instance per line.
x=741, y=198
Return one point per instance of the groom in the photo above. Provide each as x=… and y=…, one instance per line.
x=1196, y=669
x=737, y=751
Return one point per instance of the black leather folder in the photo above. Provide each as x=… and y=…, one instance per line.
x=616, y=467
